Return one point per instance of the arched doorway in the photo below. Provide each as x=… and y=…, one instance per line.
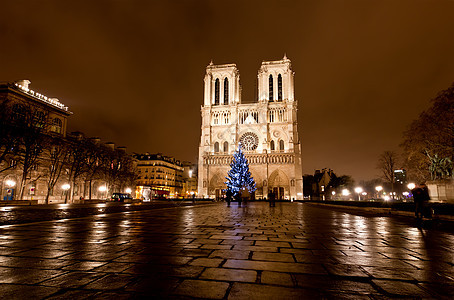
x=217, y=187
x=279, y=184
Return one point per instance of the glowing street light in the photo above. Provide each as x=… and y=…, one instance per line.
x=66, y=186
x=103, y=189
x=10, y=183
x=359, y=190
x=345, y=192
x=378, y=188
x=128, y=191
x=411, y=186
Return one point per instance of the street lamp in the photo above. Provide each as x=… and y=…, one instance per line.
x=128, y=191
x=411, y=185
x=10, y=183
x=66, y=187
x=378, y=189
x=103, y=189
x=345, y=192
x=359, y=190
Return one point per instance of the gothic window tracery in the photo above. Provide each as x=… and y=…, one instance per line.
x=249, y=141
x=277, y=115
x=216, y=147
x=248, y=117
x=272, y=145
x=281, y=145
x=220, y=117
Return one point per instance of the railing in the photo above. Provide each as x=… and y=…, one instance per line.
x=253, y=159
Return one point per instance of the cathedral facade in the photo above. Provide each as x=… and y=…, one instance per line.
x=267, y=131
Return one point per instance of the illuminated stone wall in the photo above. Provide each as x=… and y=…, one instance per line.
x=267, y=130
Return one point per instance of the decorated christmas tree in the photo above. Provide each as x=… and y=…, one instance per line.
x=239, y=176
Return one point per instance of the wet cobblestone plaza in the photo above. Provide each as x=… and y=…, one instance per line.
x=291, y=251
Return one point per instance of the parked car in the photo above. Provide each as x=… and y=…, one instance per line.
x=120, y=197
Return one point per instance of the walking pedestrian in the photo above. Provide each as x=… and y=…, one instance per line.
x=228, y=197
x=421, y=199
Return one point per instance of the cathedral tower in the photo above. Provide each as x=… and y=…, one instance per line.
x=267, y=130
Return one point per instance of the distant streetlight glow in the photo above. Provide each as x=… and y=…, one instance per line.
x=345, y=192
x=359, y=190
x=66, y=186
x=102, y=188
x=128, y=190
x=411, y=186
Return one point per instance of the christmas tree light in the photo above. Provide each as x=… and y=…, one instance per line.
x=239, y=176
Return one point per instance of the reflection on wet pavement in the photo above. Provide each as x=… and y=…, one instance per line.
x=289, y=251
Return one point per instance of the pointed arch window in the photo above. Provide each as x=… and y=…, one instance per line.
x=226, y=91
x=281, y=145
x=279, y=87
x=216, y=147
x=226, y=147
x=216, y=92
x=271, y=88
x=272, y=146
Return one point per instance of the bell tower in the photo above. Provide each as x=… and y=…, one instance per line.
x=222, y=85
x=275, y=81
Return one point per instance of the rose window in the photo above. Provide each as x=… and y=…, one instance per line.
x=249, y=141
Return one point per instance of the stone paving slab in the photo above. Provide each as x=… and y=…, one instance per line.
x=291, y=251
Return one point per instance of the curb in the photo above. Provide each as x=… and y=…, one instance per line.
x=382, y=210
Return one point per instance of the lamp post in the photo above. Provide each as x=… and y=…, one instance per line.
x=378, y=189
x=345, y=192
x=359, y=190
x=65, y=188
x=103, y=189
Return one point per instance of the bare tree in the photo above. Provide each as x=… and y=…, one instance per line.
x=387, y=163
x=31, y=125
x=77, y=162
x=57, y=157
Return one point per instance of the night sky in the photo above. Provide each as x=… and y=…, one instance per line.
x=132, y=71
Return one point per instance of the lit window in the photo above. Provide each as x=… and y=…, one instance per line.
x=56, y=125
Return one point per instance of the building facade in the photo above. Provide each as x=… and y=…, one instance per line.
x=158, y=176
x=48, y=116
x=267, y=131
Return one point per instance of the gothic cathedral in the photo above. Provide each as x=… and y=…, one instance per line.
x=267, y=131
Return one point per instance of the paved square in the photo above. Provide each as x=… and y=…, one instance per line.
x=290, y=251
